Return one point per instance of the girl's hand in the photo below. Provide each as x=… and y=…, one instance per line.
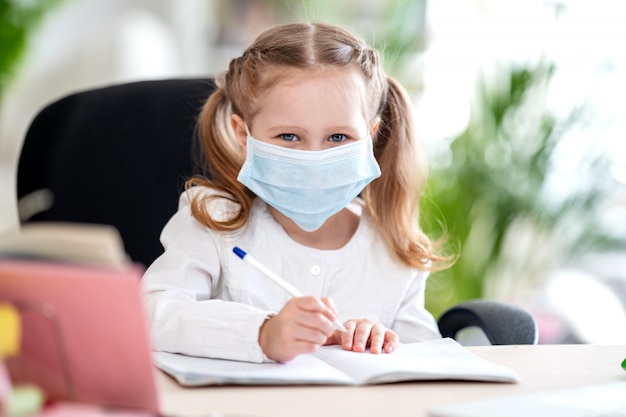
x=363, y=333
x=302, y=326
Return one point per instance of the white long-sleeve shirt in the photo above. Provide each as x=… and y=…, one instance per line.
x=203, y=300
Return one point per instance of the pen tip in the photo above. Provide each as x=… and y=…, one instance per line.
x=239, y=252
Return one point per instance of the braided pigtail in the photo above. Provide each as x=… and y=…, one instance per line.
x=393, y=199
x=224, y=160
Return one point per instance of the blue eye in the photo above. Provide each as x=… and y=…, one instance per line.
x=289, y=137
x=337, y=138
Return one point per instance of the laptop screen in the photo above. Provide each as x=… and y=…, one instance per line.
x=84, y=333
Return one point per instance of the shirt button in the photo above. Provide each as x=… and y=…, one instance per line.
x=315, y=270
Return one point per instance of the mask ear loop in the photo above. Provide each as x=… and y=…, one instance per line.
x=247, y=130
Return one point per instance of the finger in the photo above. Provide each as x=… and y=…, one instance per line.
x=298, y=323
x=331, y=311
x=312, y=304
x=347, y=338
x=391, y=341
x=311, y=313
x=361, y=335
x=278, y=342
x=321, y=307
x=316, y=322
x=308, y=334
x=377, y=338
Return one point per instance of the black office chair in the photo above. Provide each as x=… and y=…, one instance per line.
x=119, y=155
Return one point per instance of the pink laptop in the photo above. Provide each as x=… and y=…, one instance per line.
x=84, y=334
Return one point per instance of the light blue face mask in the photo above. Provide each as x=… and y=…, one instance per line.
x=308, y=186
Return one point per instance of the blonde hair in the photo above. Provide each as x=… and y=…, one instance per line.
x=392, y=200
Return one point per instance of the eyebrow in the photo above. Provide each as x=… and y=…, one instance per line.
x=290, y=128
x=286, y=128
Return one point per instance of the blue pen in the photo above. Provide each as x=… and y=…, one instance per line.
x=290, y=289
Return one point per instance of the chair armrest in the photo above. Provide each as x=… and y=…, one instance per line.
x=502, y=323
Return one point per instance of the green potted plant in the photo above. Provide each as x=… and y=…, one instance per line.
x=488, y=200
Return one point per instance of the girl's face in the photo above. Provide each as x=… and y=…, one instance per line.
x=311, y=111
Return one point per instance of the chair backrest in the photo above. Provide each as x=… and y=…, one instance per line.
x=117, y=155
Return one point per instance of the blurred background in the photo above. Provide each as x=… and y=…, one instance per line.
x=520, y=105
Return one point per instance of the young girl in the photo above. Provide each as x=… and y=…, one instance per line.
x=301, y=125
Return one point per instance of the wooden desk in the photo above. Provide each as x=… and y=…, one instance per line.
x=541, y=368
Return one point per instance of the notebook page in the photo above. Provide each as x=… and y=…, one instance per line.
x=195, y=371
x=431, y=360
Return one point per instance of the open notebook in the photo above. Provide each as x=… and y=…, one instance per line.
x=84, y=334
x=442, y=359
